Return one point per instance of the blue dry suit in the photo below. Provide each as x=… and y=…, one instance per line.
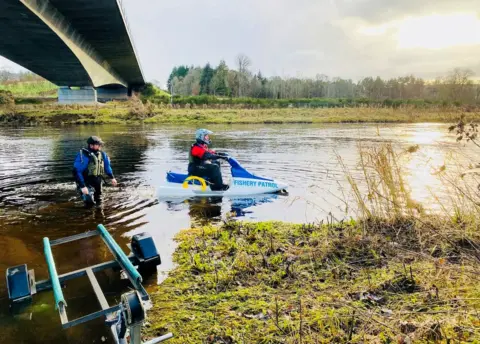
x=81, y=164
x=89, y=169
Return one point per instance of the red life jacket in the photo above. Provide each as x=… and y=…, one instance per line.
x=197, y=153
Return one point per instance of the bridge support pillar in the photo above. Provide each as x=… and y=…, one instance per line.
x=82, y=95
x=105, y=94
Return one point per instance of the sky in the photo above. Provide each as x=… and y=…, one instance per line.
x=344, y=38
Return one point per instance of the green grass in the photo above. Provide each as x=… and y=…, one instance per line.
x=31, y=89
x=395, y=275
x=135, y=112
x=365, y=282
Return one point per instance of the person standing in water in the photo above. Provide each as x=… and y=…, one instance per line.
x=90, y=168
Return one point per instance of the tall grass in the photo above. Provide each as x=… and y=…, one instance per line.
x=385, y=192
x=382, y=194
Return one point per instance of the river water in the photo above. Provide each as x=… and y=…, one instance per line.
x=37, y=197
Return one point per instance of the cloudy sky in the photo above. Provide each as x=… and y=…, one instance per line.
x=346, y=38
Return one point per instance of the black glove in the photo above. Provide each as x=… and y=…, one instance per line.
x=223, y=155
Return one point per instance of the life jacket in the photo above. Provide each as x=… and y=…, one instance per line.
x=96, y=163
x=193, y=159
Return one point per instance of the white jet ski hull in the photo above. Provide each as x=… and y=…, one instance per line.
x=243, y=183
x=238, y=187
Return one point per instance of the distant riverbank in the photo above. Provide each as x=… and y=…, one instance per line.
x=140, y=113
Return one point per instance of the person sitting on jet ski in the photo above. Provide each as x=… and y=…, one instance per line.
x=203, y=162
x=91, y=166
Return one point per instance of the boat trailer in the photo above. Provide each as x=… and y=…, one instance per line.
x=129, y=314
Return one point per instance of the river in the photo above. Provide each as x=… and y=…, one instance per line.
x=37, y=197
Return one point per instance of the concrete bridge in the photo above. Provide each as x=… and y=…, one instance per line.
x=83, y=46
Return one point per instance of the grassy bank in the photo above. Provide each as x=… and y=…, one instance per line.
x=366, y=282
x=150, y=113
x=395, y=275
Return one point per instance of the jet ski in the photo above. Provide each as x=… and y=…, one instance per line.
x=242, y=183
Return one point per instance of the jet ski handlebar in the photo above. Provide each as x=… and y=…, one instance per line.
x=232, y=161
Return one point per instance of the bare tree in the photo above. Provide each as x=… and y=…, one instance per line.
x=243, y=62
x=5, y=74
x=190, y=84
x=477, y=93
x=458, y=83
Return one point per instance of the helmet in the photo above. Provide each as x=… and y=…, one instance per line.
x=200, y=136
x=94, y=140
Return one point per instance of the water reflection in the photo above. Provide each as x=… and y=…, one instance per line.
x=425, y=135
x=428, y=167
x=241, y=207
x=205, y=210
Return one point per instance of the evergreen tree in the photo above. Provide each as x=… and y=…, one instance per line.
x=205, y=79
x=219, y=83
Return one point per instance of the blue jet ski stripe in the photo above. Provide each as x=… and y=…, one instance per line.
x=239, y=172
x=236, y=173
x=179, y=178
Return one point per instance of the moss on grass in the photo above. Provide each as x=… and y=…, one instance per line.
x=371, y=282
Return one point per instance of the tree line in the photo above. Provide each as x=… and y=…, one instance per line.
x=457, y=86
x=7, y=76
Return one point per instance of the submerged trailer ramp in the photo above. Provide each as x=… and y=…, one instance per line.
x=124, y=319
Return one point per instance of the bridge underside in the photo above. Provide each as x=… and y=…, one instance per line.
x=71, y=43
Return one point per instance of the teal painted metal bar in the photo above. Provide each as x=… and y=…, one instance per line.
x=52, y=271
x=122, y=259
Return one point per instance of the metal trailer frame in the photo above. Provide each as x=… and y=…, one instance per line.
x=113, y=314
